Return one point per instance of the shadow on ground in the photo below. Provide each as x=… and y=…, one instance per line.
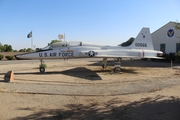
x=4, y=81
x=158, y=108
x=79, y=72
x=137, y=63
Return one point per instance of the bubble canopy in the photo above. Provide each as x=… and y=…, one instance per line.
x=56, y=45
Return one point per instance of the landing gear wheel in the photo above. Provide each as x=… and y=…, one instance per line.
x=117, y=69
x=42, y=69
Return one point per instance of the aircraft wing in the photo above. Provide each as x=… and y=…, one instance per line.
x=108, y=54
x=126, y=53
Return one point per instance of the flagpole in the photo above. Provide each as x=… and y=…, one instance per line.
x=31, y=41
x=64, y=37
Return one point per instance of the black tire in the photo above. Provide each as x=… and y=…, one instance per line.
x=117, y=69
x=41, y=69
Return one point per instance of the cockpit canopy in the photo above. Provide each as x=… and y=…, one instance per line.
x=56, y=45
x=72, y=44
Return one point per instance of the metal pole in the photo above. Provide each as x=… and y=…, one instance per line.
x=64, y=37
x=31, y=41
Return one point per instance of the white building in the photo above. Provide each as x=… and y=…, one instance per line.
x=167, y=38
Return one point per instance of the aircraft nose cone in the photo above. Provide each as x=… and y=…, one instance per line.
x=17, y=57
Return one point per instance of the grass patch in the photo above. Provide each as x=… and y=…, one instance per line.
x=43, y=65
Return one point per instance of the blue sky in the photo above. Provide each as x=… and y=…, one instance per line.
x=103, y=21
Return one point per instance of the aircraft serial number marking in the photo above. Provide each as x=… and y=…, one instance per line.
x=140, y=44
x=55, y=54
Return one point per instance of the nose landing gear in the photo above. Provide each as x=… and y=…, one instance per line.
x=42, y=66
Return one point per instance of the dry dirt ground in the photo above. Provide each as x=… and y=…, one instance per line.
x=80, y=89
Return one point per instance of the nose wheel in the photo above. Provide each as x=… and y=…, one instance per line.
x=41, y=69
x=42, y=66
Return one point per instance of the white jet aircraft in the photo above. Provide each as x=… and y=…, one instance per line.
x=142, y=47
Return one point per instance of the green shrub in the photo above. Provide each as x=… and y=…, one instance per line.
x=9, y=57
x=178, y=56
x=1, y=57
x=43, y=65
x=170, y=56
x=145, y=59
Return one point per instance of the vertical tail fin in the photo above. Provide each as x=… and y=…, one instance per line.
x=143, y=40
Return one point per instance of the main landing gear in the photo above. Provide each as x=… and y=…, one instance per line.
x=117, y=65
x=104, y=63
x=42, y=67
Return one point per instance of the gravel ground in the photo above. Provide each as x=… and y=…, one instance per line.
x=80, y=89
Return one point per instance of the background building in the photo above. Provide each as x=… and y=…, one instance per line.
x=167, y=38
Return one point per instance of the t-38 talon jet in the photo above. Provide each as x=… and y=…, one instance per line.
x=142, y=47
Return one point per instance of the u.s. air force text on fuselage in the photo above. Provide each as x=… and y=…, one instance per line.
x=57, y=54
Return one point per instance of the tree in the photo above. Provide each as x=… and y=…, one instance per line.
x=29, y=50
x=54, y=41
x=22, y=50
x=177, y=26
x=37, y=49
x=178, y=55
x=127, y=43
x=1, y=47
x=7, y=48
